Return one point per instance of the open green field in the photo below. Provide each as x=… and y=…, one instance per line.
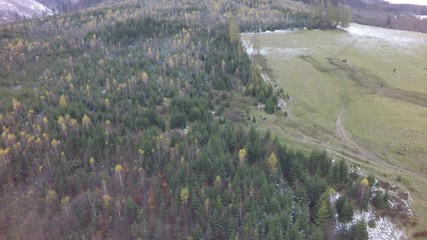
x=361, y=94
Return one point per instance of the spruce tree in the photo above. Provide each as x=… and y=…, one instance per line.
x=322, y=212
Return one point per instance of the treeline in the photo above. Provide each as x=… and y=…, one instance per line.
x=131, y=30
x=327, y=14
x=391, y=20
x=376, y=5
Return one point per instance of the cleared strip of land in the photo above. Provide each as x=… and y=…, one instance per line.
x=361, y=94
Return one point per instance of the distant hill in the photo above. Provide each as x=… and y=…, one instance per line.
x=58, y=4
x=378, y=5
x=13, y=10
x=382, y=13
x=73, y=5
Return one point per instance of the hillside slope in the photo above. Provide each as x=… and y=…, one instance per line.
x=12, y=10
x=114, y=124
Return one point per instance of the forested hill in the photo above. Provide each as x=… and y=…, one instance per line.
x=112, y=127
x=381, y=13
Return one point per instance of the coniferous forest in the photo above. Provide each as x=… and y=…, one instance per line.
x=112, y=127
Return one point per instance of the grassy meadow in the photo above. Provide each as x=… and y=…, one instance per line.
x=359, y=93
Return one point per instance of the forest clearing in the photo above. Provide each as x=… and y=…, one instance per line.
x=361, y=93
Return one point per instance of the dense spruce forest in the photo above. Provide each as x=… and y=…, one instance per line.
x=112, y=127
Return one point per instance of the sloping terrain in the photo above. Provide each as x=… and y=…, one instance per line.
x=13, y=10
x=112, y=128
x=115, y=124
x=359, y=93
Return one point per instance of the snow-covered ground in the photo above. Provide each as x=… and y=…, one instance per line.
x=384, y=229
x=12, y=10
x=421, y=16
x=369, y=36
x=248, y=47
x=284, y=52
x=366, y=37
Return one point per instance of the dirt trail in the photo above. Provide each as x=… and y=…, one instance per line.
x=350, y=150
x=341, y=143
x=335, y=138
x=344, y=137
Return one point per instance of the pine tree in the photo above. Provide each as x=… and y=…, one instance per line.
x=343, y=168
x=233, y=30
x=322, y=212
x=340, y=204
x=344, y=209
x=346, y=213
x=358, y=231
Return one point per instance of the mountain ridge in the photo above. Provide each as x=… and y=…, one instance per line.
x=14, y=10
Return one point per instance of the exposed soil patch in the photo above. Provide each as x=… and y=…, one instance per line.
x=316, y=64
x=368, y=81
x=377, y=85
x=422, y=234
x=416, y=98
x=372, y=83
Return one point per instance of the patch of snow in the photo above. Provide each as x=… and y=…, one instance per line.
x=275, y=31
x=248, y=47
x=182, y=131
x=278, y=31
x=283, y=52
x=396, y=203
x=282, y=104
x=334, y=198
x=369, y=36
x=265, y=78
x=265, y=50
x=384, y=229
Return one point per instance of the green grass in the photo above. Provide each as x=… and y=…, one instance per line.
x=377, y=86
x=396, y=130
